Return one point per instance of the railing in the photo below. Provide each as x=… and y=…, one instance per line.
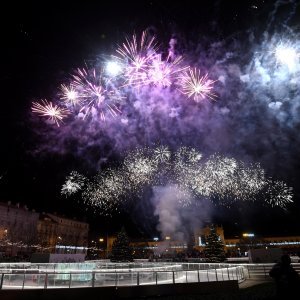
x=100, y=265
x=261, y=271
x=48, y=280
x=99, y=273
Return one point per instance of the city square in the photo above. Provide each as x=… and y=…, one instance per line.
x=150, y=149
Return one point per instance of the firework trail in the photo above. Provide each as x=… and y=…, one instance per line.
x=216, y=178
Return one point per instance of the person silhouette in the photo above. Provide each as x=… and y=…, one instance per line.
x=286, y=278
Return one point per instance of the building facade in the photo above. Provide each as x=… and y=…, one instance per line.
x=234, y=247
x=23, y=231
x=62, y=235
x=18, y=228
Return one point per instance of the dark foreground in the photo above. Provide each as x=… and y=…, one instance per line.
x=264, y=291
x=229, y=291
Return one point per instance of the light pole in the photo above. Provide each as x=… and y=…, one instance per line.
x=59, y=243
x=101, y=241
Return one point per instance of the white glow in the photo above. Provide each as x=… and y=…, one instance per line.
x=72, y=95
x=248, y=234
x=288, y=56
x=113, y=68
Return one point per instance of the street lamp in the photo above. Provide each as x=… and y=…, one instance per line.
x=59, y=247
x=250, y=240
x=101, y=241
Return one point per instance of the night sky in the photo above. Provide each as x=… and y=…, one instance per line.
x=43, y=42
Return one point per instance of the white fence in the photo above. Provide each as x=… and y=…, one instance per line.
x=261, y=271
x=46, y=276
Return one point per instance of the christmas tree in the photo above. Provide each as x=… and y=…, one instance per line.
x=214, y=248
x=121, y=250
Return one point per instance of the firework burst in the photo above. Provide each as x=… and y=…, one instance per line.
x=162, y=154
x=163, y=73
x=216, y=178
x=99, y=100
x=51, y=111
x=70, y=95
x=140, y=168
x=93, y=95
x=106, y=191
x=278, y=194
x=137, y=54
x=74, y=183
x=196, y=86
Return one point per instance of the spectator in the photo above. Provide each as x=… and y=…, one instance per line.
x=286, y=278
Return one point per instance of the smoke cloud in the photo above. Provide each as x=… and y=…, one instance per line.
x=255, y=117
x=177, y=216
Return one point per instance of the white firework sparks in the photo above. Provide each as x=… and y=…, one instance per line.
x=74, y=183
x=162, y=154
x=216, y=178
x=140, y=168
x=105, y=191
x=279, y=194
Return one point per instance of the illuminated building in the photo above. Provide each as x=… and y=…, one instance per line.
x=18, y=225
x=233, y=246
x=23, y=231
x=291, y=243
x=60, y=235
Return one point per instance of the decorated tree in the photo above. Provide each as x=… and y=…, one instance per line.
x=214, y=248
x=121, y=250
x=191, y=242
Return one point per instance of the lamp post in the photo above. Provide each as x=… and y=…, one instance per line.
x=101, y=242
x=59, y=239
x=250, y=237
